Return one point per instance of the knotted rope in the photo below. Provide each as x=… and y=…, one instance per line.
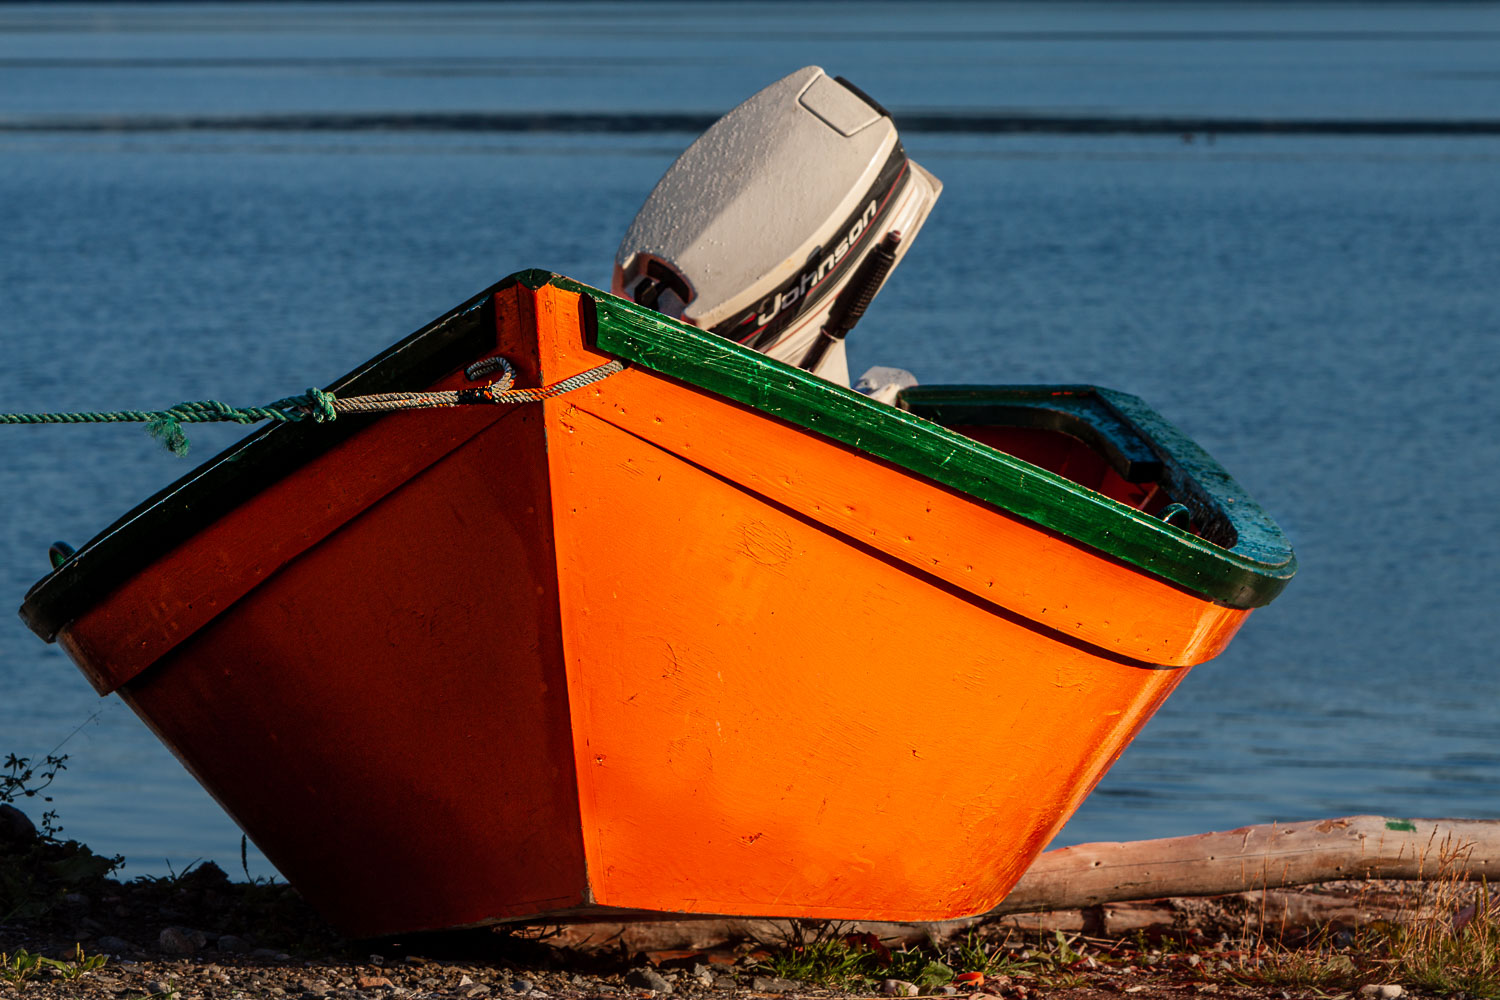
x=321, y=407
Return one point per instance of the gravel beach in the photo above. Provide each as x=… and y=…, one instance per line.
x=201, y=936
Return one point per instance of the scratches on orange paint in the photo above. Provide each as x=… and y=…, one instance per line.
x=767, y=545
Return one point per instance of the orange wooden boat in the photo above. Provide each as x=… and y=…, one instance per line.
x=710, y=635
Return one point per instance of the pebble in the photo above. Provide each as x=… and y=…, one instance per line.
x=1193, y=960
x=726, y=983
x=521, y=986
x=1387, y=991
x=774, y=984
x=476, y=990
x=899, y=988
x=179, y=941
x=647, y=979
x=233, y=945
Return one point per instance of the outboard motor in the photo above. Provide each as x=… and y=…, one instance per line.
x=777, y=227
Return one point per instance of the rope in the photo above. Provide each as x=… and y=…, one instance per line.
x=322, y=407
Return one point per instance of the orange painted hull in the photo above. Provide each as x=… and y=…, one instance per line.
x=635, y=648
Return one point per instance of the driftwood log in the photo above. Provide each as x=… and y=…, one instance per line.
x=1113, y=888
x=1271, y=856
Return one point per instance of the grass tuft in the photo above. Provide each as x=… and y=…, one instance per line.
x=1456, y=948
x=822, y=955
x=1445, y=941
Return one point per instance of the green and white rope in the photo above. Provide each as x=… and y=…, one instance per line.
x=321, y=407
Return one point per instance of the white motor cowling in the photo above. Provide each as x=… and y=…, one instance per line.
x=777, y=227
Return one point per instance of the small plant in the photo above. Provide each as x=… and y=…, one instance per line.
x=975, y=954
x=1314, y=965
x=822, y=955
x=25, y=778
x=1453, y=944
x=169, y=993
x=920, y=966
x=829, y=962
x=1057, y=967
x=1061, y=980
x=18, y=968
x=21, y=778
x=173, y=878
x=79, y=965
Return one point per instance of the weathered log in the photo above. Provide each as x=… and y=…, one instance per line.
x=1148, y=883
x=1275, y=911
x=1270, y=856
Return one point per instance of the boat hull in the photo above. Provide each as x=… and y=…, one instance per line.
x=640, y=647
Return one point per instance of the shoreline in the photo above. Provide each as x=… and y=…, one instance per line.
x=201, y=936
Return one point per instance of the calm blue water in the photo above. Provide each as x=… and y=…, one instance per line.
x=1322, y=313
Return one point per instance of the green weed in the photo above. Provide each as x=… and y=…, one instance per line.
x=1446, y=941
x=79, y=965
x=1312, y=966
x=918, y=965
x=26, y=778
x=822, y=955
x=1055, y=965
x=1454, y=947
x=976, y=954
x=23, y=965
x=1061, y=980
x=173, y=878
x=21, y=778
x=16, y=969
x=828, y=962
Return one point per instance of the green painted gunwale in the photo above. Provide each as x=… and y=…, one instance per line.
x=1249, y=574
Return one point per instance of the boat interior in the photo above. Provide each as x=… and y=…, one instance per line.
x=1074, y=432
